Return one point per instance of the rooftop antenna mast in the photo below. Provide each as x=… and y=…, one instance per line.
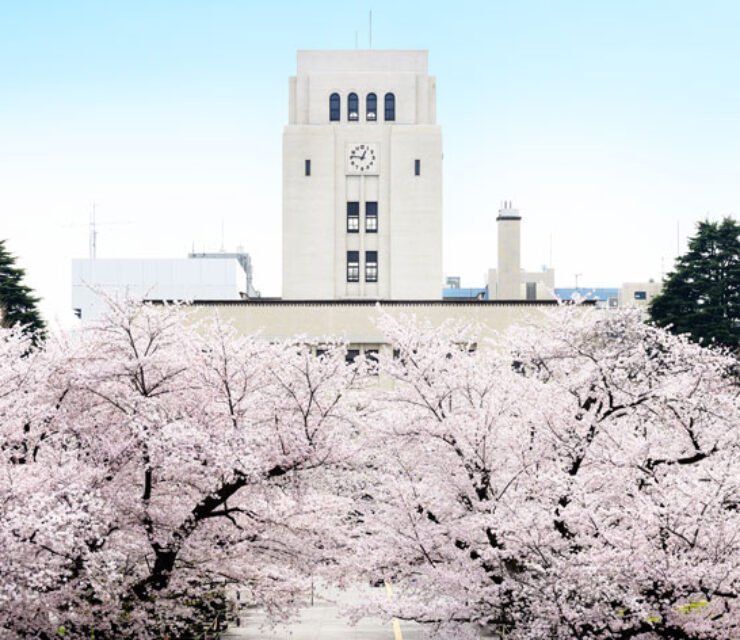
x=371, y=30
x=93, y=237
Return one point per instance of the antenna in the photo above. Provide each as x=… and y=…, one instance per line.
x=93, y=237
x=371, y=30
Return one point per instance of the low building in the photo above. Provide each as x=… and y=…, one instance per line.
x=638, y=295
x=199, y=277
x=356, y=321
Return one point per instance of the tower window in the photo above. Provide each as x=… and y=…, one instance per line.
x=371, y=217
x=353, y=266
x=335, y=107
x=390, y=107
x=353, y=106
x=417, y=167
x=371, y=107
x=371, y=266
x=353, y=217
x=308, y=167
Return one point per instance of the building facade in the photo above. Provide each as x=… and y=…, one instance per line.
x=362, y=178
x=199, y=277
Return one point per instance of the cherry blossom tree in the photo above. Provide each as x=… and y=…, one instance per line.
x=150, y=461
x=579, y=479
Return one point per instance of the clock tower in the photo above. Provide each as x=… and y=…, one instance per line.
x=362, y=178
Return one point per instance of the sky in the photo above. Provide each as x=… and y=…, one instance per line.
x=613, y=126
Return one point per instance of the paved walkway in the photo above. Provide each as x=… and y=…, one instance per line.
x=322, y=621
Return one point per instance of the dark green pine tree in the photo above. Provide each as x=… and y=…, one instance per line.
x=17, y=302
x=701, y=296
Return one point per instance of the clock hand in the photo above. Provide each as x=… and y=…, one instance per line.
x=363, y=154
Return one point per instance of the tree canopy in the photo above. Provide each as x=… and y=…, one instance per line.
x=577, y=479
x=17, y=302
x=701, y=297
x=588, y=491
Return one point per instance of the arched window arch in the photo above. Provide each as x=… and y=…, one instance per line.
x=371, y=107
x=335, y=107
x=353, y=106
x=390, y=106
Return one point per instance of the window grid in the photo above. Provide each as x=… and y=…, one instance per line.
x=371, y=217
x=335, y=107
x=353, y=266
x=353, y=107
x=372, y=356
x=371, y=107
x=371, y=266
x=390, y=107
x=353, y=217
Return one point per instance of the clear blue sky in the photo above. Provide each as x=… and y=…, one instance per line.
x=609, y=124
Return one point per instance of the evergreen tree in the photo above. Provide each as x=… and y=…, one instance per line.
x=17, y=302
x=702, y=296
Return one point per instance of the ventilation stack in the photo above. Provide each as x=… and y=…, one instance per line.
x=509, y=253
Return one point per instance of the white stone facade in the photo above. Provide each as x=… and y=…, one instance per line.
x=321, y=234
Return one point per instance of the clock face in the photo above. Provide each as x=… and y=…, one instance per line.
x=362, y=158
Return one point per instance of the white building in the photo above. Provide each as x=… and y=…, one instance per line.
x=362, y=219
x=197, y=278
x=638, y=295
x=362, y=178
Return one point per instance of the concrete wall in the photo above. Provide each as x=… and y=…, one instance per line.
x=356, y=322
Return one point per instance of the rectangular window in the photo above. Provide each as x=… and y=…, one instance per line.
x=371, y=217
x=372, y=356
x=353, y=266
x=371, y=266
x=353, y=217
x=308, y=167
x=640, y=295
x=352, y=355
x=531, y=291
x=417, y=167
